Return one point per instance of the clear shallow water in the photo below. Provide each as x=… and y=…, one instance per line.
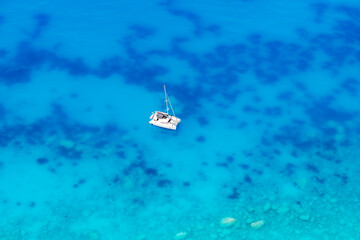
x=268, y=93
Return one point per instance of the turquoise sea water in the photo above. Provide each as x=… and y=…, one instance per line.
x=269, y=97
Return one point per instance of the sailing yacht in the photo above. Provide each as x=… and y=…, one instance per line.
x=165, y=120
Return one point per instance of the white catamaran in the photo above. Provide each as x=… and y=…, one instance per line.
x=165, y=120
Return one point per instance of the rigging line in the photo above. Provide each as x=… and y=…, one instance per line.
x=166, y=101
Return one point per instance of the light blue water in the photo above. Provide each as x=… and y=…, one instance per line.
x=268, y=93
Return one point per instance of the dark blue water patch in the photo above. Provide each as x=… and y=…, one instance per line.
x=223, y=55
x=244, y=166
x=36, y=132
x=312, y=168
x=255, y=38
x=42, y=160
x=30, y=57
x=265, y=141
x=74, y=67
x=199, y=27
x=277, y=152
x=202, y=121
x=82, y=181
x=189, y=97
x=116, y=179
x=164, y=183
x=133, y=56
x=101, y=144
x=318, y=179
x=228, y=78
x=204, y=164
x=347, y=31
x=12, y=75
x=351, y=85
x=234, y=195
x=139, y=164
x=3, y=53
x=285, y=96
x=289, y=169
x=222, y=164
x=250, y=109
x=214, y=29
x=72, y=130
x=343, y=178
x=230, y=159
x=144, y=76
x=231, y=96
x=27, y=59
x=111, y=128
x=338, y=57
x=320, y=10
x=329, y=131
x=302, y=65
x=2, y=19
x=200, y=139
x=79, y=183
x=58, y=112
x=151, y=172
x=10, y=133
x=3, y=113
x=346, y=143
x=323, y=41
x=247, y=179
x=266, y=78
x=138, y=201
x=273, y=111
x=257, y=172
x=274, y=50
x=292, y=135
x=301, y=87
x=142, y=32
x=19, y=70
x=324, y=155
x=195, y=62
x=242, y=125
x=298, y=122
x=351, y=12
x=32, y=204
x=186, y=184
x=121, y=154
x=42, y=21
x=52, y=170
x=109, y=67
x=266, y=154
x=322, y=112
x=69, y=153
x=74, y=95
x=329, y=145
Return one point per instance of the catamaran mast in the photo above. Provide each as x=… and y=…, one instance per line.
x=166, y=101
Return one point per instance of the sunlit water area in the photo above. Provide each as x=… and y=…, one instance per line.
x=268, y=93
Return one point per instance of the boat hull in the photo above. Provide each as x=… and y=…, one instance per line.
x=164, y=120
